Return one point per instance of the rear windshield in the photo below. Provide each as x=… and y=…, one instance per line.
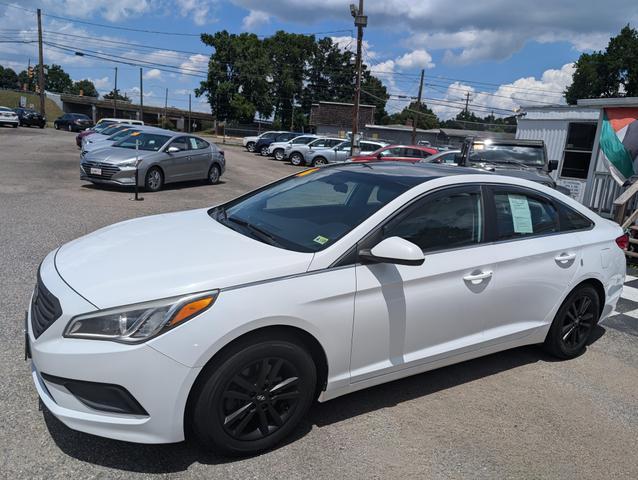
x=144, y=141
x=314, y=208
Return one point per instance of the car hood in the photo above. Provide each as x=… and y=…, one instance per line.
x=168, y=255
x=90, y=147
x=105, y=154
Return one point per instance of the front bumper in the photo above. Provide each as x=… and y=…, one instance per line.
x=9, y=121
x=158, y=383
x=111, y=175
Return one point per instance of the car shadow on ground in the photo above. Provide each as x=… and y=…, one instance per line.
x=171, y=458
x=167, y=187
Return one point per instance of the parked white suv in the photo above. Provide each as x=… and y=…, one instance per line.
x=278, y=149
x=341, y=152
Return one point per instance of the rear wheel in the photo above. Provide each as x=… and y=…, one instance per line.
x=319, y=161
x=250, y=146
x=253, y=396
x=296, y=159
x=154, y=180
x=574, y=323
x=213, y=175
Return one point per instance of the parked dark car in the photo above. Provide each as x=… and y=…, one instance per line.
x=263, y=143
x=73, y=122
x=30, y=118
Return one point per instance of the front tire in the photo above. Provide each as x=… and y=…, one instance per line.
x=250, y=146
x=279, y=154
x=154, y=180
x=296, y=159
x=253, y=396
x=264, y=151
x=574, y=323
x=319, y=161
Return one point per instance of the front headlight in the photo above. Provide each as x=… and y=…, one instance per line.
x=141, y=322
x=128, y=163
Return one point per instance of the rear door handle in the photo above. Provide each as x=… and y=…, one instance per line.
x=477, y=278
x=564, y=258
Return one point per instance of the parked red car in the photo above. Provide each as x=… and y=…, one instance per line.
x=397, y=153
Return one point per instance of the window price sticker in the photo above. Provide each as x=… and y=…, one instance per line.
x=521, y=215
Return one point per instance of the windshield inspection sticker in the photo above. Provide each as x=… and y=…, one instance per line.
x=321, y=240
x=521, y=215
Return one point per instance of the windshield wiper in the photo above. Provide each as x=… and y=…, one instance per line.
x=256, y=231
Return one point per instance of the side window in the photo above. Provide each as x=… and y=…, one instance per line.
x=445, y=220
x=369, y=147
x=180, y=142
x=333, y=143
x=571, y=220
x=420, y=154
x=201, y=144
x=392, y=152
x=520, y=215
x=319, y=143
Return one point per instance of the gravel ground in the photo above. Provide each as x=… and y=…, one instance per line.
x=516, y=414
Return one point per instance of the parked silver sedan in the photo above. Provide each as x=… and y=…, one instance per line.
x=160, y=158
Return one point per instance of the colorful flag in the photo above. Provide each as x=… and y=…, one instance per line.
x=619, y=141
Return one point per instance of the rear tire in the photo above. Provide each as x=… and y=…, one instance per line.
x=574, y=323
x=253, y=396
x=250, y=146
x=154, y=179
x=213, y=174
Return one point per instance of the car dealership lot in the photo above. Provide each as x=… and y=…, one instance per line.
x=514, y=414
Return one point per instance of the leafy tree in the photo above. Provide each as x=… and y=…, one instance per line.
x=289, y=55
x=116, y=94
x=425, y=121
x=239, y=70
x=23, y=78
x=86, y=86
x=8, y=78
x=373, y=92
x=55, y=79
x=611, y=73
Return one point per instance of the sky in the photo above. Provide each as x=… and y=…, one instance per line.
x=505, y=53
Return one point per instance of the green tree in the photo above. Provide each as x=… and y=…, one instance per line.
x=113, y=94
x=23, y=79
x=289, y=55
x=425, y=120
x=239, y=70
x=611, y=73
x=373, y=92
x=8, y=78
x=55, y=79
x=86, y=86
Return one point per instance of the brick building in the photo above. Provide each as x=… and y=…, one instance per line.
x=335, y=118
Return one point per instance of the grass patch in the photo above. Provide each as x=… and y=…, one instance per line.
x=11, y=99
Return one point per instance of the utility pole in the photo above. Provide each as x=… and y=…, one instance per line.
x=467, y=102
x=166, y=108
x=115, y=96
x=360, y=21
x=189, y=113
x=41, y=65
x=418, y=106
x=141, y=97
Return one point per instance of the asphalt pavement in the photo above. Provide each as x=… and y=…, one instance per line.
x=516, y=414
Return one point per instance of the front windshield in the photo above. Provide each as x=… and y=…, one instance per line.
x=110, y=130
x=527, y=155
x=102, y=126
x=122, y=134
x=314, y=208
x=144, y=141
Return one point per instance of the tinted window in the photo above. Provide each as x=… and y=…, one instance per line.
x=369, y=147
x=521, y=215
x=445, y=220
x=333, y=143
x=391, y=152
x=122, y=134
x=570, y=219
x=314, y=208
x=198, y=143
x=414, y=153
x=322, y=142
x=302, y=140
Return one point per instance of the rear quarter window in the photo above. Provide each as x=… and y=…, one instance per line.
x=571, y=220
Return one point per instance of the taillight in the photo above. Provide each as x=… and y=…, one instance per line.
x=623, y=241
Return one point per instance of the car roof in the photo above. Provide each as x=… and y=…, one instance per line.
x=417, y=147
x=425, y=170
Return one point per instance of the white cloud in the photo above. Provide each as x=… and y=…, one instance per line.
x=348, y=43
x=255, y=19
x=101, y=83
x=153, y=73
x=199, y=10
x=415, y=59
x=196, y=64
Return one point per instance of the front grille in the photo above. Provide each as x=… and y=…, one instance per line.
x=108, y=170
x=45, y=308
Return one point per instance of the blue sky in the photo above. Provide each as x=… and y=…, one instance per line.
x=506, y=53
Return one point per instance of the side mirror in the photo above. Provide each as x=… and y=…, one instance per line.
x=393, y=250
x=172, y=150
x=552, y=165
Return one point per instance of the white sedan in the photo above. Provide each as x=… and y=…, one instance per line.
x=9, y=117
x=229, y=322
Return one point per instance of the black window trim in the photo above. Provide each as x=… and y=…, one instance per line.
x=351, y=256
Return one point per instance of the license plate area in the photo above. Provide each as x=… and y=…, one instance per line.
x=95, y=171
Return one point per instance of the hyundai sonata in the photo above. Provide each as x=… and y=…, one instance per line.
x=227, y=323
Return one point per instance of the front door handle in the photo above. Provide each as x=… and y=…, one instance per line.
x=565, y=258
x=476, y=278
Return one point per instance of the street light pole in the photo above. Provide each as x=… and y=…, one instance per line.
x=41, y=64
x=360, y=21
x=115, y=96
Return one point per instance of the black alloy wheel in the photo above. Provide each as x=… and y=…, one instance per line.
x=254, y=397
x=574, y=323
x=213, y=174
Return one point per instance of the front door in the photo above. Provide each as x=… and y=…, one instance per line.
x=410, y=315
x=178, y=164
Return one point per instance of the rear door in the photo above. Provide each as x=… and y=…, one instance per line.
x=200, y=157
x=536, y=262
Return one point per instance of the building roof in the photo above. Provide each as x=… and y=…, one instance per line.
x=609, y=102
x=361, y=105
x=400, y=128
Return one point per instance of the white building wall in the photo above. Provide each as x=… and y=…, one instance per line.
x=552, y=132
